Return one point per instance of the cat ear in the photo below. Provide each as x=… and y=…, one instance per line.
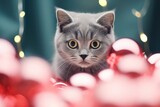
x=63, y=18
x=107, y=19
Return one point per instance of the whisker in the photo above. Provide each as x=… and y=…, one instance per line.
x=102, y=65
x=59, y=66
x=68, y=72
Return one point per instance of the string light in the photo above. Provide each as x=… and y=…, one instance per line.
x=17, y=38
x=21, y=54
x=140, y=14
x=103, y=3
x=143, y=37
x=22, y=14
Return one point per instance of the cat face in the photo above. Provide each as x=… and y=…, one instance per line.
x=83, y=39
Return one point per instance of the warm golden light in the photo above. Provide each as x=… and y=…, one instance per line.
x=138, y=14
x=103, y=3
x=22, y=14
x=17, y=38
x=143, y=37
x=21, y=54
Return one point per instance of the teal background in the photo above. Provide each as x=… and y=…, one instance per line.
x=40, y=22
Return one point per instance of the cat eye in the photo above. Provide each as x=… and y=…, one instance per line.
x=73, y=44
x=95, y=44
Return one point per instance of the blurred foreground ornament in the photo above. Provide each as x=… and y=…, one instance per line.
x=9, y=64
x=155, y=61
x=83, y=80
x=154, y=58
x=130, y=81
x=106, y=75
x=125, y=57
x=125, y=46
x=48, y=99
x=6, y=49
x=121, y=48
x=115, y=92
x=134, y=66
x=37, y=69
x=72, y=95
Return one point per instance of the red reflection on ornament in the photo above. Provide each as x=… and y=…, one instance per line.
x=9, y=101
x=28, y=88
x=21, y=101
x=111, y=60
x=7, y=85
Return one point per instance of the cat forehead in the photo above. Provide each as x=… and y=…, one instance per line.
x=85, y=29
x=84, y=17
x=83, y=21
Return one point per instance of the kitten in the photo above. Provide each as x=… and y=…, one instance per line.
x=81, y=42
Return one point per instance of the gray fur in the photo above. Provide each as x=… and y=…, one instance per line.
x=83, y=27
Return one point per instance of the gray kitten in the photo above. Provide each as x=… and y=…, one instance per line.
x=81, y=42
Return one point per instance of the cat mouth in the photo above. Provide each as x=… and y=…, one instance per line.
x=84, y=63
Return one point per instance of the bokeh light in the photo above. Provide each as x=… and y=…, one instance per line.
x=137, y=14
x=17, y=38
x=143, y=37
x=22, y=14
x=103, y=3
x=21, y=54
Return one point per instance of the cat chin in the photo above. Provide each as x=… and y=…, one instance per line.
x=84, y=65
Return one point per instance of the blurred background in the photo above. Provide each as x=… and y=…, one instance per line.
x=40, y=22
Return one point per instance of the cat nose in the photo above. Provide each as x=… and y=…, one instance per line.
x=83, y=56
